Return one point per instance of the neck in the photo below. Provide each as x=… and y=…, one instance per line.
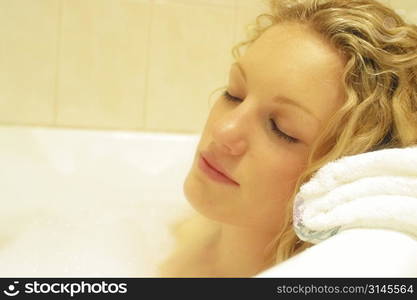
x=241, y=251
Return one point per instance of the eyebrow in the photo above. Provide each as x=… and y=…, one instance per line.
x=281, y=98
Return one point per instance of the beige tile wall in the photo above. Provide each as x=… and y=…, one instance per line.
x=103, y=63
x=120, y=64
x=29, y=32
x=189, y=56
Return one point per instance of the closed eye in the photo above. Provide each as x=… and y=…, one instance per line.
x=229, y=97
x=274, y=126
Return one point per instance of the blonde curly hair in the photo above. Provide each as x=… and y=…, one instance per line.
x=380, y=81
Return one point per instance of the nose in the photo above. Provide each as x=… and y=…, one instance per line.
x=230, y=134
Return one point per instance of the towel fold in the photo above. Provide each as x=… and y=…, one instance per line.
x=370, y=190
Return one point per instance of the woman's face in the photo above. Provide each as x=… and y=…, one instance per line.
x=252, y=138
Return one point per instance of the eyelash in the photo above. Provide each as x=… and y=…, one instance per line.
x=274, y=128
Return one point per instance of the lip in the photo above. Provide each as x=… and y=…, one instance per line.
x=213, y=171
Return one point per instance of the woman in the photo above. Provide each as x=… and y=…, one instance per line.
x=321, y=80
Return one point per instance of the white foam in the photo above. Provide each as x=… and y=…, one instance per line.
x=70, y=212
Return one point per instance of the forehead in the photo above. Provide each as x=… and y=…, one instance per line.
x=294, y=60
x=295, y=50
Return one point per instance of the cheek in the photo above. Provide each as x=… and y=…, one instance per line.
x=286, y=170
x=270, y=193
x=278, y=178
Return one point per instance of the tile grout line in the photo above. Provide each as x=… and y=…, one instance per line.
x=58, y=60
x=235, y=18
x=202, y=4
x=147, y=67
x=92, y=128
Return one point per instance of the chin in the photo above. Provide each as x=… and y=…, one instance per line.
x=194, y=192
x=203, y=205
x=202, y=199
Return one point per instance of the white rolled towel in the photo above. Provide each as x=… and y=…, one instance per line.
x=370, y=190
